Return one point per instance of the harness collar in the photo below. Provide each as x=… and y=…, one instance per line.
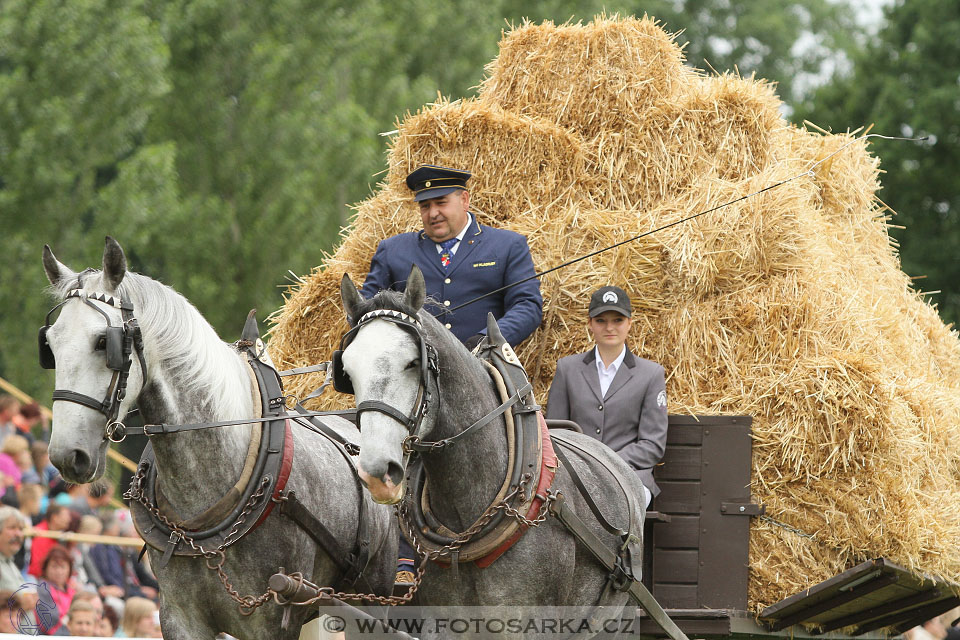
x=528, y=478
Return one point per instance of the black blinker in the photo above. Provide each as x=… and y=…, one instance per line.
x=116, y=358
x=47, y=361
x=341, y=381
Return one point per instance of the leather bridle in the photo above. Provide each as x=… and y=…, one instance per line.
x=429, y=373
x=429, y=370
x=120, y=344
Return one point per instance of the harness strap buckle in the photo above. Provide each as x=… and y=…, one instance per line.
x=172, y=543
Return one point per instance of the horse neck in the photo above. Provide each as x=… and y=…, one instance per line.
x=464, y=478
x=195, y=468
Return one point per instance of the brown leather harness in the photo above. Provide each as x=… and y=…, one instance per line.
x=261, y=487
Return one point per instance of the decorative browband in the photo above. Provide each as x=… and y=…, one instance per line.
x=387, y=313
x=93, y=295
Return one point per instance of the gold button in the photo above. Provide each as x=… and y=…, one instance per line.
x=427, y=184
x=446, y=303
x=447, y=281
x=448, y=325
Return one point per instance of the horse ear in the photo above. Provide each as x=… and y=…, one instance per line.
x=350, y=297
x=416, y=291
x=56, y=270
x=114, y=264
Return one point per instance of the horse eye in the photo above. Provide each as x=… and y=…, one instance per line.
x=413, y=364
x=101, y=343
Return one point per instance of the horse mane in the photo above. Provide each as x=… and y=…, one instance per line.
x=185, y=344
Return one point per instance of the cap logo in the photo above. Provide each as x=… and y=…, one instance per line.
x=611, y=297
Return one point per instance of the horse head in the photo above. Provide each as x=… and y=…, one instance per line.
x=86, y=347
x=384, y=361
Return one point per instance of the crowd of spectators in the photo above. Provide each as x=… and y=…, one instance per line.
x=56, y=587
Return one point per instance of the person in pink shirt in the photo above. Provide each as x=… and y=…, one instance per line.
x=57, y=573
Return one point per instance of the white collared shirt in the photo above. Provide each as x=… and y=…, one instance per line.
x=607, y=374
x=463, y=232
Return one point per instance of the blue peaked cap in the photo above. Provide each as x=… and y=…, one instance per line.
x=431, y=181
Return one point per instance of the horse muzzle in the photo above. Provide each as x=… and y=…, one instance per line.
x=383, y=490
x=76, y=465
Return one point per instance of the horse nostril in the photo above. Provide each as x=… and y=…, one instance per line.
x=395, y=473
x=79, y=461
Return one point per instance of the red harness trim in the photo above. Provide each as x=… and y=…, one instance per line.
x=548, y=469
x=286, y=464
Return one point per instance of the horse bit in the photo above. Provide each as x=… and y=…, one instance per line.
x=120, y=343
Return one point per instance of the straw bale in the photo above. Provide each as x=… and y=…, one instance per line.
x=586, y=78
x=789, y=306
x=717, y=127
x=522, y=166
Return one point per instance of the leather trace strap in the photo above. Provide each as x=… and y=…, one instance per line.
x=583, y=489
x=613, y=562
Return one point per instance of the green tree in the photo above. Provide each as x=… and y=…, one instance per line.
x=78, y=83
x=905, y=84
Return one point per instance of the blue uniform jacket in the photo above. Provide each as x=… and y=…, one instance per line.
x=486, y=260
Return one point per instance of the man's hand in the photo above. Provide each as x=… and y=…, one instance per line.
x=472, y=342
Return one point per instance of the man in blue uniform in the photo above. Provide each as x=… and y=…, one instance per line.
x=460, y=260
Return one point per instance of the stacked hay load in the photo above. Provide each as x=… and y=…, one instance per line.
x=789, y=306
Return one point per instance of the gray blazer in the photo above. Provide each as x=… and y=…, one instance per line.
x=631, y=419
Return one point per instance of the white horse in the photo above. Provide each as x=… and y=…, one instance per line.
x=185, y=374
x=414, y=382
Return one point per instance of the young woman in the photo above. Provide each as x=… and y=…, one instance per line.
x=613, y=395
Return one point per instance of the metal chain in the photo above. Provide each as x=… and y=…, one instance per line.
x=488, y=514
x=327, y=593
x=248, y=604
x=783, y=525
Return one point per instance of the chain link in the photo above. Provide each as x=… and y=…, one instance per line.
x=484, y=519
x=783, y=525
x=215, y=558
x=248, y=604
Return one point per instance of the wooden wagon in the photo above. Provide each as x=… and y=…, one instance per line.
x=697, y=544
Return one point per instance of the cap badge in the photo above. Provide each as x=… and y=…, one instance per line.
x=611, y=297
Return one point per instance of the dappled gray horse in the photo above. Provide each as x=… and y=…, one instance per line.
x=384, y=360
x=186, y=374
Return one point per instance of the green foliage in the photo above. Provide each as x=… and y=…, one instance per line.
x=79, y=82
x=905, y=83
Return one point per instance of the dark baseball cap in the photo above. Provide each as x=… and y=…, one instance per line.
x=610, y=299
